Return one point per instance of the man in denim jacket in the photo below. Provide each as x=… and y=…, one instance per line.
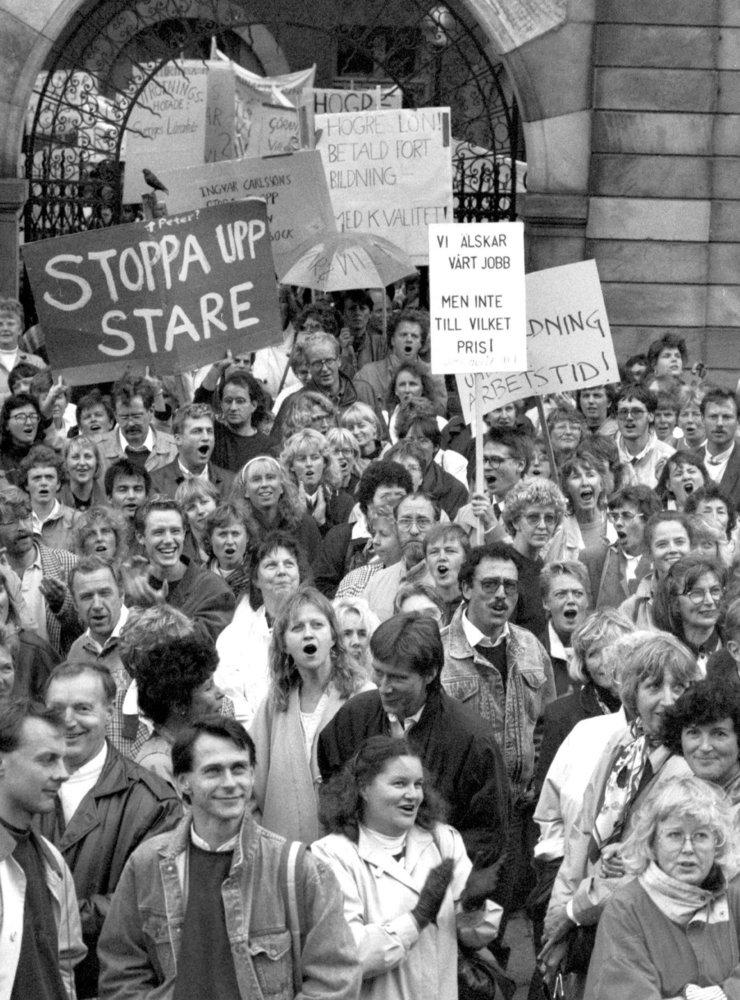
x=201, y=913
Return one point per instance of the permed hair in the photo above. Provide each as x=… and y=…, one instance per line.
x=599, y=630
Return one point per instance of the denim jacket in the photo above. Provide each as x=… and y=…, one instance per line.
x=530, y=686
x=140, y=942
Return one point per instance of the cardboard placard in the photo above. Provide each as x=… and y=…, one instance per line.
x=569, y=342
x=476, y=297
x=389, y=172
x=174, y=293
x=167, y=125
x=294, y=187
x=335, y=100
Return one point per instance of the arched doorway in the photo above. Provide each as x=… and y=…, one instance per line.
x=435, y=53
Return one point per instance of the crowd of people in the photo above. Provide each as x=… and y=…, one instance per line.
x=290, y=707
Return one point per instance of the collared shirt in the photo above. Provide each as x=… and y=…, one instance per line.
x=228, y=845
x=647, y=464
x=34, y=599
x=717, y=464
x=148, y=445
x=202, y=476
x=475, y=637
x=631, y=563
x=115, y=634
x=399, y=727
x=557, y=650
x=79, y=783
x=39, y=522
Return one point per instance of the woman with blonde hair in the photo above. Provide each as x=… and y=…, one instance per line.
x=311, y=677
x=309, y=409
x=198, y=498
x=362, y=422
x=357, y=624
x=672, y=931
x=271, y=503
x=84, y=468
x=102, y=531
x=310, y=462
x=344, y=445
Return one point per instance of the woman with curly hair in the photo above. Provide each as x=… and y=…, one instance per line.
x=310, y=462
x=21, y=426
x=403, y=874
x=534, y=509
x=311, y=677
x=102, y=531
x=175, y=686
x=271, y=503
x=585, y=525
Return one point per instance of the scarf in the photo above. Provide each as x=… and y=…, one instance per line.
x=621, y=789
x=683, y=903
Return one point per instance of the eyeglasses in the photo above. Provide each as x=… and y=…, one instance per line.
x=421, y=522
x=675, y=839
x=492, y=584
x=534, y=519
x=25, y=418
x=495, y=460
x=634, y=411
x=623, y=515
x=316, y=366
x=697, y=595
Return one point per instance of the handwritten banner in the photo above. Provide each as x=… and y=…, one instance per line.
x=167, y=125
x=331, y=101
x=389, y=172
x=294, y=187
x=476, y=297
x=569, y=343
x=174, y=293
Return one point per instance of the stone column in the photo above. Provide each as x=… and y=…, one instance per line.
x=13, y=194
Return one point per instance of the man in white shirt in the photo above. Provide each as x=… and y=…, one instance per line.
x=11, y=327
x=106, y=808
x=721, y=453
x=638, y=446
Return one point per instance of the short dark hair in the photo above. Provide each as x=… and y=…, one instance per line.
x=642, y=497
x=14, y=713
x=92, y=399
x=128, y=388
x=168, y=675
x=666, y=516
x=191, y=411
x=678, y=458
x=520, y=445
x=379, y=474
x=18, y=373
x=154, y=504
x=183, y=749
x=418, y=316
x=248, y=382
x=668, y=340
x=92, y=564
x=74, y=669
x=717, y=395
x=447, y=530
x=12, y=403
x=411, y=640
x=680, y=578
x=277, y=539
x=356, y=295
x=124, y=468
x=639, y=393
x=340, y=799
x=712, y=491
x=494, y=550
x=705, y=701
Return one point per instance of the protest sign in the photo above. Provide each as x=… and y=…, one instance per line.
x=167, y=124
x=294, y=188
x=174, y=293
x=569, y=343
x=476, y=297
x=328, y=101
x=389, y=172
x=220, y=113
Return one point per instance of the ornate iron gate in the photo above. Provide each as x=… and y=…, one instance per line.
x=434, y=53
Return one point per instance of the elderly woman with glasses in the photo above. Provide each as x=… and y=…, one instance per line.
x=687, y=604
x=655, y=673
x=672, y=931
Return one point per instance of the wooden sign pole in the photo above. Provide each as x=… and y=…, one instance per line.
x=546, y=436
x=479, y=481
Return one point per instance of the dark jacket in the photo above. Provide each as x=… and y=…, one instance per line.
x=33, y=659
x=168, y=478
x=127, y=805
x=721, y=668
x=339, y=505
x=529, y=612
x=607, y=569
x=205, y=598
x=349, y=394
x=443, y=487
x=336, y=557
x=459, y=751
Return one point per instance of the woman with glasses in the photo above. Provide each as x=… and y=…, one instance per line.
x=568, y=428
x=533, y=511
x=687, y=604
x=20, y=429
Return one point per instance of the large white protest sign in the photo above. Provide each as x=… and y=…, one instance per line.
x=569, y=343
x=167, y=125
x=389, y=172
x=476, y=297
x=294, y=187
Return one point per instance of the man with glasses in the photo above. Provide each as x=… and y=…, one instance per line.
x=135, y=438
x=638, y=446
x=415, y=517
x=42, y=572
x=615, y=572
x=504, y=673
x=506, y=457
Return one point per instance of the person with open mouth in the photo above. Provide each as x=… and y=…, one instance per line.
x=585, y=525
x=102, y=531
x=346, y=450
x=95, y=416
x=682, y=475
x=636, y=440
x=565, y=598
x=445, y=549
x=20, y=429
x=41, y=473
x=310, y=462
x=311, y=677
